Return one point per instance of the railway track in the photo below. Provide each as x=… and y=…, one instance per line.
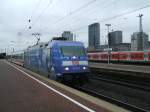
x=113, y=100
x=143, y=87
x=125, y=99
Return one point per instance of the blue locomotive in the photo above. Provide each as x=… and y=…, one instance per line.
x=59, y=59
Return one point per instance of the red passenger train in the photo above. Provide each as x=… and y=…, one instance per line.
x=122, y=56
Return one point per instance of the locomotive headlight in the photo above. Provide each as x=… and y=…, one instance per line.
x=67, y=68
x=84, y=68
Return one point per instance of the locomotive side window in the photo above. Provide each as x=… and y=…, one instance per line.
x=104, y=56
x=96, y=56
x=136, y=56
x=114, y=56
x=123, y=56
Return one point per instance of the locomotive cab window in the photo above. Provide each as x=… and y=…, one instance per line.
x=72, y=51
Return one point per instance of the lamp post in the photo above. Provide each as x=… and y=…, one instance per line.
x=13, y=49
x=108, y=25
x=141, y=32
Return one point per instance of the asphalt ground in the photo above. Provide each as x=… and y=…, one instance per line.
x=20, y=92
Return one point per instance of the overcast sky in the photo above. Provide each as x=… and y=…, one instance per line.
x=52, y=17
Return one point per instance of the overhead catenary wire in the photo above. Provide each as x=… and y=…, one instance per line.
x=116, y=16
x=84, y=26
x=105, y=19
x=42, y=12
x=31, y=17
x=76, y=10
x=69, y=14
x=108, y=5
x=36, y=7
x=103, y=5
x=111, y=18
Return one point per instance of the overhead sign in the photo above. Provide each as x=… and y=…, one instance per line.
x=108, y=49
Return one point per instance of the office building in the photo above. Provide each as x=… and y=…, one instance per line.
x=68, y=35
x=139, y=41
x=94, y=36
x=121, y=47
x=117, y=47
x=115, y=37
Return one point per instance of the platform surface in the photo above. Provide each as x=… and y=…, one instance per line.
x=132, y=68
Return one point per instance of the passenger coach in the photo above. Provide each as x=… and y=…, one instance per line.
x=139, y=57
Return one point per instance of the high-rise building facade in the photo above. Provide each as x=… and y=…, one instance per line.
x=115, y=37
x=94, y=36
x=117, y=47
x=139, y=41
x=68, y=35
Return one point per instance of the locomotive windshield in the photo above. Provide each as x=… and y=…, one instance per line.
x=73, y=51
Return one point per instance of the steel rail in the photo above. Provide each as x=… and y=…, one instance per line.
x=112, y=100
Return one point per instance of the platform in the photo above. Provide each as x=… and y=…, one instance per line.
x=136, y=70
x=24, y=91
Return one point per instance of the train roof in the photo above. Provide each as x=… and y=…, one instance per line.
x=16, y=52
x=119, y=51
x=63, y=43
x=55, y=43
x=40, y=45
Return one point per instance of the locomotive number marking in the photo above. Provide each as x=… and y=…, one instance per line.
x=75, y=62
